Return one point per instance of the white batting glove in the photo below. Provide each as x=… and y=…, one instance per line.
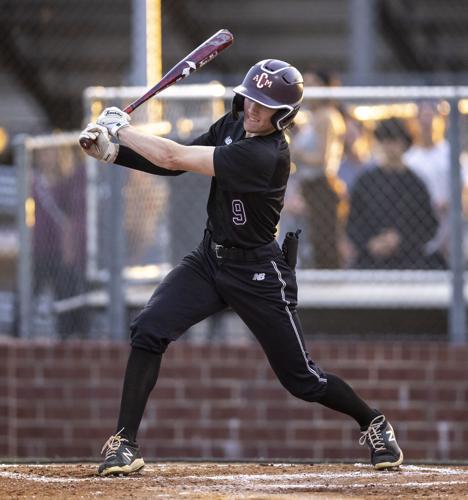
x=113, y=119
x=101, y=146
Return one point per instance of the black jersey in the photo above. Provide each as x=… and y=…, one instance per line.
x=247, y=192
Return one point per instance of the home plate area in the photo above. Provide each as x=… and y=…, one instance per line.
x=220, y=481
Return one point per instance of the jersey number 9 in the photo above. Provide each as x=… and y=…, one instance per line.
x=239, y=213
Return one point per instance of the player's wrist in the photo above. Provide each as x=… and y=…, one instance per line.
x=110, y=155
x=116, y=129
x=114, y=119
x=124, y=132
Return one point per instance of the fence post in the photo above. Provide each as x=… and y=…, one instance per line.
x=116, y=292
x=457, y=305
x=362, y=41
x=24, y=214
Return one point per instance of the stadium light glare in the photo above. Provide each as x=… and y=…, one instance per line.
x=3, y=139
x=383, y=111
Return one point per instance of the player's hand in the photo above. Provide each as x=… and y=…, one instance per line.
x=101, y=146
x=113, y=119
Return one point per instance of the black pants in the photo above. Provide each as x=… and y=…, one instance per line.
x=260, y=288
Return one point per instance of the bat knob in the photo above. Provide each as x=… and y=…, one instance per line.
x=86, y=143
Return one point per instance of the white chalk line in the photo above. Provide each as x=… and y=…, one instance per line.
x=268, y=477
x=406, y=470
x=41, y=479
x=249, y=482
x=327, y=486
x=421, y=468
x=302, y=479
x=167, y=465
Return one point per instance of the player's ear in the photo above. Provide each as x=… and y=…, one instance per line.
x=237, y=105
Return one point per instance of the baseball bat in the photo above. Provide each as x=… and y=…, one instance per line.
x=203, y=54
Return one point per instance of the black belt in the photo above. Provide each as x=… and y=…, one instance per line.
x=235, y=253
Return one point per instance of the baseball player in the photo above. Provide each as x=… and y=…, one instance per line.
x=238, y=262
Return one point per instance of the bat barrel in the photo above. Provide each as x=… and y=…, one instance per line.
x=203, y=54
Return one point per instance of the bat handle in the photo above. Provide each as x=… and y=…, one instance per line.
x=86, y=143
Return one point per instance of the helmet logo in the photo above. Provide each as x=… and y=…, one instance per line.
x=262, y=81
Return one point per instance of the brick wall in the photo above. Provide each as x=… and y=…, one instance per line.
x=60, y=400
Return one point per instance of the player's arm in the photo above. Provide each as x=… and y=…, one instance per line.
x=169, y=154
x=129, y=158
x=103, y=149
x=159, y=151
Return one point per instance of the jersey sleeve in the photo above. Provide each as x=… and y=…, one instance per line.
x=128, y=158
x=245, y=166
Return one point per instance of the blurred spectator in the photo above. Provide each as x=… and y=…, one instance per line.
x=429, y=158
x=391, y=217
x=48, y=217
x=356, y=152
x=59, y=237
x=293, y=217
x=318, y=150
x=145, y=207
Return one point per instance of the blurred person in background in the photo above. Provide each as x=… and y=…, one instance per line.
x=59, y=235
x=391, y=217
x=318, y=150
x=145, y=207
x=238, y=263
x=48, y=218
x=356, y=160
x=294, y=217
x=356, y=152
x=429, y=158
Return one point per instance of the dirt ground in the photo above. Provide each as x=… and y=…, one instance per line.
x=223, y=481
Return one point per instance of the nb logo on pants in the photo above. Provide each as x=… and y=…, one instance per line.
x=258, y=277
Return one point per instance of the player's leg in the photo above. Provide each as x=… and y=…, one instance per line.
x=185, y=297
x=268, y=307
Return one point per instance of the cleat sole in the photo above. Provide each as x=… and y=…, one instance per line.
x=389, y=465
x=116, y=470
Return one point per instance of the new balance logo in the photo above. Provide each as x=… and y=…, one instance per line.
x=127, y=454
x=391, y=435
x=258, y=277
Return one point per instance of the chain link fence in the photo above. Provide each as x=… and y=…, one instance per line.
x=371, y=185
x=365, y=227
x=53, y=49
x=52, y=208
x=380, y=211
x=163, y=218
x=89, y=230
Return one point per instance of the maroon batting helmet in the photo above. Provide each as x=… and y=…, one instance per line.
x=274, y=84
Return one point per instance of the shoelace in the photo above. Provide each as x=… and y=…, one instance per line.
x=374, y=434
x=112, y=444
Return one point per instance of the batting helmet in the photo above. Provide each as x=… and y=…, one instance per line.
x=274, y=84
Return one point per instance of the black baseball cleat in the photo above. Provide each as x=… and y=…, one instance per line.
x=122, y=457
x=380, y=437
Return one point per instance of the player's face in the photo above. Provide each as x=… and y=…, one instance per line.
x=257, y=118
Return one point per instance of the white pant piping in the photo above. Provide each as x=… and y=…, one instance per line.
x=283, y=298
